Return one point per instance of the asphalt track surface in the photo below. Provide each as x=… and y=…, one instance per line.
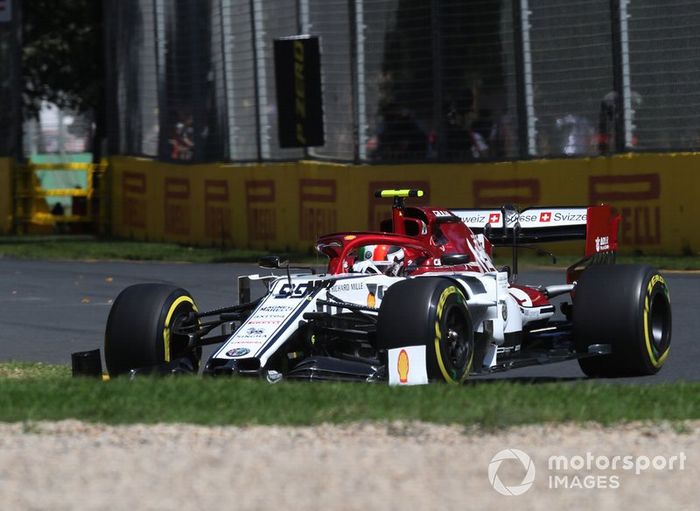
x=50, y=309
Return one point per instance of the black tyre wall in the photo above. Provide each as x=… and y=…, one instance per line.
x=413, y=313
x=628, y=307
x=136, y=332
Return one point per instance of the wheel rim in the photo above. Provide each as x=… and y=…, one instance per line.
x=178, y=339
x=659, y=323
x=457, y=338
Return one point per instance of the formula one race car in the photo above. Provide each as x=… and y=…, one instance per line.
x=420, y=301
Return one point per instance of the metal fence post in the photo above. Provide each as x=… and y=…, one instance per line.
x=357, y=69
x=621, y=75
x=527, y=122
x=256, y=80
x=226, y=129
x=303, y=27
x=438, y=117
x=199, y=121
x=159, y=26
x=17, y=106
x=228, y=42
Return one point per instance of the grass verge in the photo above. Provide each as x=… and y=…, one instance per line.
x=91, y=248
x=49, y=393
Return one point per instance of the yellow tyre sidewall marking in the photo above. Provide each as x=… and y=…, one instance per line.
x=654, y=361
x=438, y=335
x=168, y=317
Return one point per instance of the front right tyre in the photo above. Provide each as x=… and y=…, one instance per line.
x=140, y=328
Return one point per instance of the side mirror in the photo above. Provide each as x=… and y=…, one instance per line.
x=455, y=259
x=272, y=262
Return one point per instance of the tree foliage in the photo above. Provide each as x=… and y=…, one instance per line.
x=62, y=56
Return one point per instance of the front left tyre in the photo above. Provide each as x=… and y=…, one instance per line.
x=430, y=312
x=140, y=332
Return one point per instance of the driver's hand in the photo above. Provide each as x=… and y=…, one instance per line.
x=365, y=267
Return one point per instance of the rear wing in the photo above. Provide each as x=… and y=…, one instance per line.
x=597, y=225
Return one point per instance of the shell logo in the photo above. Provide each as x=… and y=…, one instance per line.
x=402, y=366
x=371, y=301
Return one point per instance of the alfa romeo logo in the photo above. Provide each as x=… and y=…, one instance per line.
x=511, y=454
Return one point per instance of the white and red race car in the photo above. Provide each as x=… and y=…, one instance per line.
x=419, y=301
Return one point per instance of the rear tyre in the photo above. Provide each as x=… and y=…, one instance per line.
x=430, y=312
x=627, y=307
x=139, y=328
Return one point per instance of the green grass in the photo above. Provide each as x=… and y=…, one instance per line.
x=86, y=248
x=29, y=370
x=48, y=393
x=90, y=248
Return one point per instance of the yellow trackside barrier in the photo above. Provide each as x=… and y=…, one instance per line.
x=87, y=211
x=286, y=206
